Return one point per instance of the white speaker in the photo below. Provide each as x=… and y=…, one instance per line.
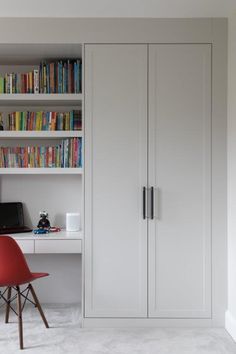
x=72, y=221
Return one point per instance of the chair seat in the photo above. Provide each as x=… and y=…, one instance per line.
x=29, y=279
x=36, y=276
x=39, y=275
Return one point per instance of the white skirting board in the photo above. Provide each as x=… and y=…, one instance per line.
x=230, y=324
x=144, y=322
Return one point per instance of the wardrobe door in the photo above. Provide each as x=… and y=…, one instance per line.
x=115, y=172
x=180, y=172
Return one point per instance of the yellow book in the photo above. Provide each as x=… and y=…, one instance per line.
x=31, y=82
x=40, y=120
x=18, y=120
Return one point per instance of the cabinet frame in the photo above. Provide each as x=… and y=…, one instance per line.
x=170, y=32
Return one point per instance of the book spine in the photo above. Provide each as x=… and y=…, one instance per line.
x=50, y=156
x=80, y=153
x=44, y=78
x=30, y=78
x=17, y=124
x=36, y=81
x=10, y=84
x=48, y=78
x=68, y=76
x=60, y=78
x=52, y=80
x=1, y=84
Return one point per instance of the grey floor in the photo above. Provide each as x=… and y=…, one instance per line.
x=66, y=336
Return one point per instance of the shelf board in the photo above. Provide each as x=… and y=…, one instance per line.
x=41, y=171
x=23, y=99
x=7, y=134
x=62, y=235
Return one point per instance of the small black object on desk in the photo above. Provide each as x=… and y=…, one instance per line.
x=43, y=223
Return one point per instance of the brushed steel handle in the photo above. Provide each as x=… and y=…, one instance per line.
x=152, y=203
x=144, y=203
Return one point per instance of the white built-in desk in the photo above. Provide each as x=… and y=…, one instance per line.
x=57, y=242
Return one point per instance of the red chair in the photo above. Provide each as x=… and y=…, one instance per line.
x=15, y=272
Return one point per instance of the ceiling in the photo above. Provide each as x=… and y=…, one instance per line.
x=117, y=8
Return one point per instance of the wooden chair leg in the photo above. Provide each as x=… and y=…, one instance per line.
x=8, y=305
x=38, y=305
x=20, y=324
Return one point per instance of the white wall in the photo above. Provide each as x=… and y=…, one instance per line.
x=65, y=277
x=231, y=313
x=116, y=8
x=56, y=194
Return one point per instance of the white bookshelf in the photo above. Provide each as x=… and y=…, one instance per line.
x=57, y=190
x=7, y=134
x=41, y=171
x=61, y=235
x=41, y=99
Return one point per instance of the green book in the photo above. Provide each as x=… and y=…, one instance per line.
x=1, y=84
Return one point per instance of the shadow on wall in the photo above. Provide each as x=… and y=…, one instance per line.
x=27, y=219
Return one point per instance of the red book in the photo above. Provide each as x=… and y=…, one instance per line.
x=54, y=121
x=25, y=156
x=32, y=115
x=76, y=152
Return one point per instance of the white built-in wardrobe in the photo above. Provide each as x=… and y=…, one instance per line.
x=148, y=181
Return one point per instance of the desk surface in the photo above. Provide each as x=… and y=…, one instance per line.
x=61, y=235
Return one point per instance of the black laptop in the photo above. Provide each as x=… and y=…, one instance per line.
x=12, y=218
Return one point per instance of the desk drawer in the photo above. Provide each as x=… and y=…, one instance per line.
x=27, y=246
x=58, y=246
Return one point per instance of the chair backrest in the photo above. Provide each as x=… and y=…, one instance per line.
x=13, y=267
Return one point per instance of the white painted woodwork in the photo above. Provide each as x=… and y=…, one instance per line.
x=41, y=171
x=180, y=171
x=61, y=235
x=116, y=170
x=63, y=242
x=27, y=246
x=28, y=134
x=59, y=99
x=160, y=9
x=58, y=246
x=105, y=30
x=147, y=323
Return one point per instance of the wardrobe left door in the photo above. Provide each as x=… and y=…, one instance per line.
x=115, y=174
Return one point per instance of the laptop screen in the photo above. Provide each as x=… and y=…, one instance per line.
x=11, y=215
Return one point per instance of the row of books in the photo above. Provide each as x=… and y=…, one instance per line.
x=68, y=154
x=41, y=120
x=61, y=76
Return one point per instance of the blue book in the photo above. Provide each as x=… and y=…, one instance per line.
x=79, y=76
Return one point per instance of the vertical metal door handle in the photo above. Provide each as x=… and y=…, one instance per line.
x=152, y=203
x=144, y=203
